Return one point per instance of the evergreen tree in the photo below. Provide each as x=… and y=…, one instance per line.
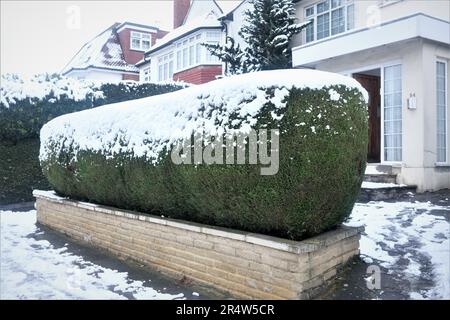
x=229, y=53
x=267, y=30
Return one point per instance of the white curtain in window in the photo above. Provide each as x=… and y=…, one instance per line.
x=393, y=113
x=441, y=92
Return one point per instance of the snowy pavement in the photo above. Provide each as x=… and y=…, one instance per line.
x=40, y=264
x=408, y=241
x=411, y=241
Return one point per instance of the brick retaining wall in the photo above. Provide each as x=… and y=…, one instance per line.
x=243, y=264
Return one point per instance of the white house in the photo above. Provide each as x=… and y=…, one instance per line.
x=400, y=52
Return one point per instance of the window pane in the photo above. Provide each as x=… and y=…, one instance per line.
x=135, y=43
x=322, y=7
x=185, y=57
x=309, y=11
x=135, y=35
x=178, y=59
x=392, y=113
x=310, y=32
x=170, y=70
x=337, y=21
x=350, y=17
x=191, y=55
x=160, y=73
x=336, y=3
x=198, y=51
x=145, y=44
x=145, y=36
x=166, y=71
x=441, y=128
x=323, y=26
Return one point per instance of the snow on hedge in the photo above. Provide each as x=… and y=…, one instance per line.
x=146, y=127
x=14, y=88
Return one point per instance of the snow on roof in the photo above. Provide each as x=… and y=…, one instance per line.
x=146, y=127
x=104, y=51
x=229, y=6
x=210, y=20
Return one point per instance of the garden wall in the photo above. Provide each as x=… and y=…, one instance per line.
x=247, y=265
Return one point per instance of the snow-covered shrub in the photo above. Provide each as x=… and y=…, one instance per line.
x=119, y=154
x=26, y=104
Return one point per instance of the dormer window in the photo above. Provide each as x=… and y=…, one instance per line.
x=140, y=41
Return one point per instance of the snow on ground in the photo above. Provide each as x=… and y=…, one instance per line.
x=378, y=185
x=35, y=269
x=372, y=169
x=410, y=240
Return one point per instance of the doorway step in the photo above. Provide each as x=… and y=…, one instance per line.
x=380, y=183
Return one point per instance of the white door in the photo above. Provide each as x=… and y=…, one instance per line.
x=392, y=120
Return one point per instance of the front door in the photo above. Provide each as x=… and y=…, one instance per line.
x=372, y=84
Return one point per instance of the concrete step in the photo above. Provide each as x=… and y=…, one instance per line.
x=376, y=191
x=380, y=178
x=380, y=173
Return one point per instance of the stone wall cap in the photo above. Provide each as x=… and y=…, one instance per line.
x=303, y=246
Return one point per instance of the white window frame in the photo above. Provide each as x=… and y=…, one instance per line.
x=383, y=141
x=165, y=69
x=445, y=62
x=190, y=53
x=344, y=5
x=381, y=66
x=141, y=37
x=146, y=74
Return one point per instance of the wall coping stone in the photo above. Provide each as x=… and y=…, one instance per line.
x=304, y=246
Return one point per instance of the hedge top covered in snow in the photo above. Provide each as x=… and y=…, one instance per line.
x=14, y=88
x=146, y=127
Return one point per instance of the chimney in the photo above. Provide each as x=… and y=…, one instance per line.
x=180, y=9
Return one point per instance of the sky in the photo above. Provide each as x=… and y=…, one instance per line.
x=42, y=36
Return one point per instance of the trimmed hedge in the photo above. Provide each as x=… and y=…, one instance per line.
x=323, y=148
x=25, y=106
x=24, y=112
x=20, y=172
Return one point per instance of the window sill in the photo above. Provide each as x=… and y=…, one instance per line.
x=140, y=50
x=442, y=164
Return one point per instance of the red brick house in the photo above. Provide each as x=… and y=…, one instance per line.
x=112, y=55
x=179, y=55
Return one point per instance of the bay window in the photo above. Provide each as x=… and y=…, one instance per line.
x=165, y=67
x=190, y=52
x=329, y=17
